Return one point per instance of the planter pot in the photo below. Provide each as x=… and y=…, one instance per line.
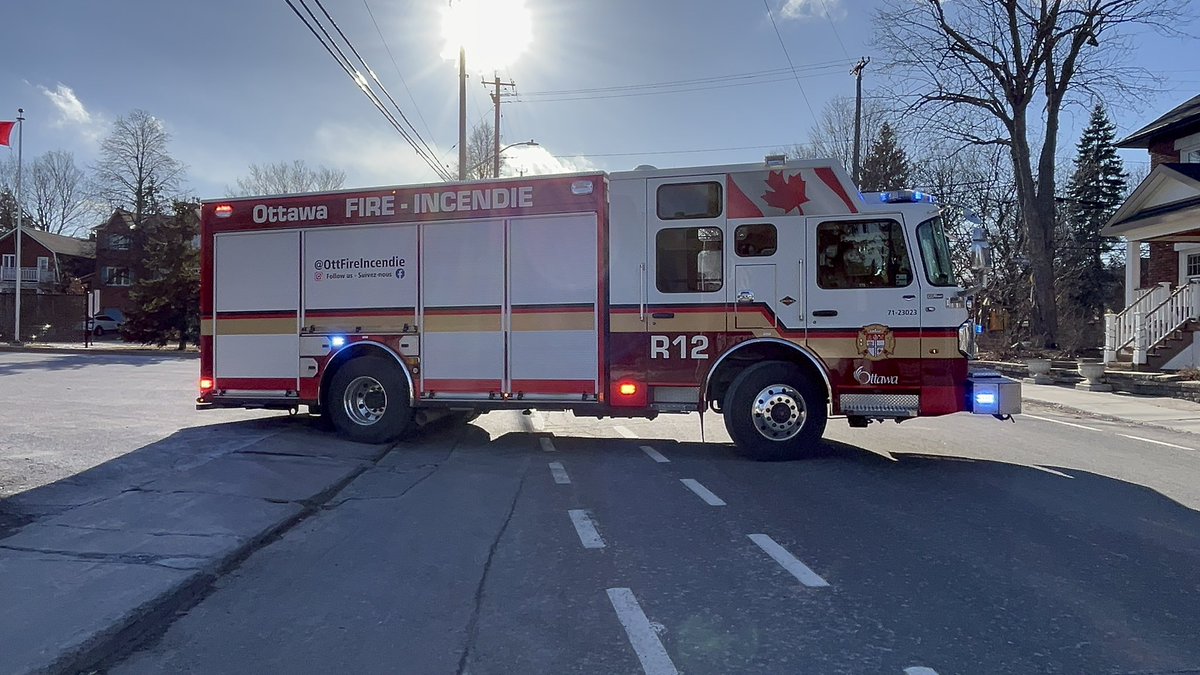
x=1039, y=371
x=1093, y=372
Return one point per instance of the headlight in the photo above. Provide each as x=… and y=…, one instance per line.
x=966, y=339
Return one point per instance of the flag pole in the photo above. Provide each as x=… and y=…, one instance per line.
x=17, y=299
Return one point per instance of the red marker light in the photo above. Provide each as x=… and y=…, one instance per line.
x=628, y=389
x=223, y=211
x=206, y=383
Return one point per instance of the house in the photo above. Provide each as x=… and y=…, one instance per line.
x=49, y=262
x=1158, y=327
x=119, y=246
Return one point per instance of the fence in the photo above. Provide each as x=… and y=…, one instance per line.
x=44, y=317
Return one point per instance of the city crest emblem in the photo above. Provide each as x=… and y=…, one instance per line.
x=876, y=342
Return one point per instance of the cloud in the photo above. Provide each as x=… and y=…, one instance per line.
x=369, y=157
x=803, y=10
x=72, y=113
x=533, y=160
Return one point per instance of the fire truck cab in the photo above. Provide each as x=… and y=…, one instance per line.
x=775, y=294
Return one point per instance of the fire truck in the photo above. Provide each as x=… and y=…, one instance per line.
x=774, y=294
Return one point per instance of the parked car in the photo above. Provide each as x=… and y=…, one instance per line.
x=102, y=323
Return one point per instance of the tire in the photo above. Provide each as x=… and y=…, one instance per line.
x=98, y=331
x=367, y=401
x=774, y=412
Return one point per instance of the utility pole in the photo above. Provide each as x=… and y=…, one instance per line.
x=462, y=113
x=496, y=129
x=857, y=71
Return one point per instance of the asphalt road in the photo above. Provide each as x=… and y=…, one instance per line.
x=549, y=544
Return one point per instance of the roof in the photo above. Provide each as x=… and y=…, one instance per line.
x=1185, y=115
x=60, y=244
x=1163, y=207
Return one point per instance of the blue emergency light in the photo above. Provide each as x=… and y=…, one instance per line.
x=337, y=341
x=906, y=196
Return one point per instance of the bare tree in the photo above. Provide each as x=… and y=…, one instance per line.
x=59, y=194
x=480, y=151
x=1015, y=64
x=285, y=178
x=833, y=134
x=135, y=170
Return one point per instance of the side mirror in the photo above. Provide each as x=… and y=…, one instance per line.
x=981, y=256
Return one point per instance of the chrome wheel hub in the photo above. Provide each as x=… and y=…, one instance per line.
x=778, y=412
x=365, y=400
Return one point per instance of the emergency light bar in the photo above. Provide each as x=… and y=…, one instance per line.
x=910, y=196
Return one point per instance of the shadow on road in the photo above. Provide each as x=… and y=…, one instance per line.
x=78, y=361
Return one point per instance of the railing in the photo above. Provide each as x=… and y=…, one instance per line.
x=1149, y=320
x=30, y=274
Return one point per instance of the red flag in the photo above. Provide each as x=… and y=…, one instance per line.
x=5, y=132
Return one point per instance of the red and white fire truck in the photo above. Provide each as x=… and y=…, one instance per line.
x=774, y=294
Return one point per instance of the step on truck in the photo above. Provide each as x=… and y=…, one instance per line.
x=774, y=294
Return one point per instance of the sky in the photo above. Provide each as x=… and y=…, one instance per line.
x=237, y=82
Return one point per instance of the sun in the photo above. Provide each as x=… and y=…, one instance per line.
x=493, y=32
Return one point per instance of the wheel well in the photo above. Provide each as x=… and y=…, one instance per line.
x=359, y=350
x=734, y=362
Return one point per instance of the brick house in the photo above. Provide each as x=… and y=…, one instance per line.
x=49, y=262
x=1157, y=328
x=119, y=246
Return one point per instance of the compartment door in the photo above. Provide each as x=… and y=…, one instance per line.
x=462, y=297
x=553, y=297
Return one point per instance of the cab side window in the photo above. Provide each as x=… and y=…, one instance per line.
x=751, y=241
x=862, y=254
x=681, y=201
x=688, y=260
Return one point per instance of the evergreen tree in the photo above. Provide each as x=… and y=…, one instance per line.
x=1096, y=189
x=166, y=296
x=886, y=166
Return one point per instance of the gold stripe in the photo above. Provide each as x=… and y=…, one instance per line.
x=543, y=321
x=206, y=327
x=461, y=323
x=348, y=324
x=257, y=326
x=626, y=323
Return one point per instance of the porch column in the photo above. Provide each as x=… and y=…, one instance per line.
x=1133, y=269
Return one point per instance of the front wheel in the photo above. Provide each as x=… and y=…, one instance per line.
x=773, y=412
x=98, y=331
x=368, y=401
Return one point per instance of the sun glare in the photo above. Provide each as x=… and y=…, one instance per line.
x=494, y=32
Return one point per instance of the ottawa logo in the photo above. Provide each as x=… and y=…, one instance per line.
x=876, y=342
x=864, y=377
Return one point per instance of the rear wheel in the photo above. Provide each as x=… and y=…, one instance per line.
x=98, y=331
x=368, y=401
x=773, y=412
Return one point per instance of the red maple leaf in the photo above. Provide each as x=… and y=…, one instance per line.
x=785, y=193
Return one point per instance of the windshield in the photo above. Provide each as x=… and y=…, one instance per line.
x=935, y=252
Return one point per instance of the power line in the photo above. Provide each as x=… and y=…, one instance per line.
x=835, y=30
x=337, y=55
x=789, y=59
x=397, y=67
x=699, y=80
x=374, y=77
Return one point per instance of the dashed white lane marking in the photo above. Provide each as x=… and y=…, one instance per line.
x=624, y=431
x=1066, y=424
x=586, y=529
x=919, y=670
x=547, y=444
x=559, y=473
x=788, y=561
x=654, y=454
x=702, y=492
x=1151, y=440
x=643, y=639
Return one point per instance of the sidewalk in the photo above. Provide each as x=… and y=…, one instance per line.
x=1158, y=411
x=113, y=347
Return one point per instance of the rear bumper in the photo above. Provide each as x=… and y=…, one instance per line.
x=993, y=394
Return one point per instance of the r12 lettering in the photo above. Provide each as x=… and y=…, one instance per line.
x=663, y=347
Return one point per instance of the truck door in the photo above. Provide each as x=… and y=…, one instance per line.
x=685, y=283
x=766, y=258
x=864, y=312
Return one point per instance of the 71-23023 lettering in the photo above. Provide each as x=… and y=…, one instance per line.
x=664, y=347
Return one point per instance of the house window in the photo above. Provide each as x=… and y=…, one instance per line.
x=117, y=276
x=862, y=254
x=1193, y=265
x=688, y=259
x=9, y=260
x=1190, y=155
x=689, y=200
x=119, y=242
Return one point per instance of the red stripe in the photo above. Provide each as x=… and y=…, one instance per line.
x=737, y=204
x=259, y=383
x=462, y=310
x=279, y=314
x=554, y=386
x=461, y=386
x=554, y=309
x=830, y=179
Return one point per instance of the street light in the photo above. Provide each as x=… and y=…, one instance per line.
x=485, y=160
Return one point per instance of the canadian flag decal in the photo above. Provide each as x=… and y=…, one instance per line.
x=789, y=192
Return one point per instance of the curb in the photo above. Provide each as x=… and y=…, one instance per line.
x=170, y=354
x=1061, y=407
